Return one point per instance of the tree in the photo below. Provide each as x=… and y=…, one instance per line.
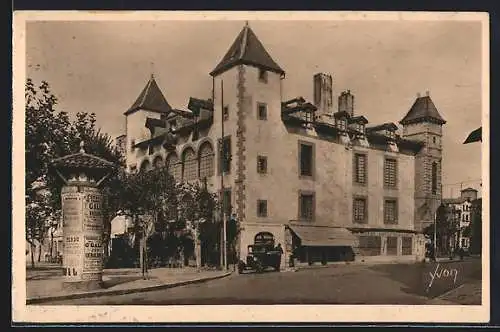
x=151, y=199
x=52, y=134
x=198, y=206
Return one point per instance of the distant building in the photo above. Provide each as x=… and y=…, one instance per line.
x=313, y=174
x=463, y=204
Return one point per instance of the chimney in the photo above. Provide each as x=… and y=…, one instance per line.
x=427, y=93
x=323, y=93
x=418, y=95
x=346, y=102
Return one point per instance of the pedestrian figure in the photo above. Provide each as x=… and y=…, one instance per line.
x=461, y=253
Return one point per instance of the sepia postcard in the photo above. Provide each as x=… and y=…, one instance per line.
x=250, y=167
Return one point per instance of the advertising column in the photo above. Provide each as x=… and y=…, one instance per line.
x=82, y=229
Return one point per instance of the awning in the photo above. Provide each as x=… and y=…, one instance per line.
x=475, y=136
x=324, y=236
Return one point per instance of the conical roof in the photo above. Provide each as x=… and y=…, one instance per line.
x=247, y=49
x=151, y=99
x=423, y=109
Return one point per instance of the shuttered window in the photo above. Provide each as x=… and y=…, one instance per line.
x=360, y=168
x=390, y=173
x=359, y=213
x=390, y=211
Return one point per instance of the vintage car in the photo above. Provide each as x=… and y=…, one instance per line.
x=261, y=255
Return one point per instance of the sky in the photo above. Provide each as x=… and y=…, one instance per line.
x=102, y=66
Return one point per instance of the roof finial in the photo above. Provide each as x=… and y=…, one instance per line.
x=246, y=24
x=82, y=144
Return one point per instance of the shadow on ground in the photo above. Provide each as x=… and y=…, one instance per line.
x=432, y=279
x=121, y=280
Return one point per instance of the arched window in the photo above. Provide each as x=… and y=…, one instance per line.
x=434, y=178
x=174, y=166
x=158, y=162
x=189, y=165
x=206, y=155
x=145, y=166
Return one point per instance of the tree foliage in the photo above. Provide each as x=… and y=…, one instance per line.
x=50, y=134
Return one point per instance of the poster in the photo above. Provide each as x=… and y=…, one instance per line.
x=72, y=256
x=92, y=211
x=72, y=211
x=92, y=257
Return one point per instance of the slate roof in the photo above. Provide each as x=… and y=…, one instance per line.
x=358, y=119
x=247, y=49
x=195, y=104
x=475, y=136
x=151, y=99
x=152, y=123
x=83, y=160
x=384, y=126
x=423, y=109
x=453, y=200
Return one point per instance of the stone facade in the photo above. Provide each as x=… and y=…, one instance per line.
x=256, y=121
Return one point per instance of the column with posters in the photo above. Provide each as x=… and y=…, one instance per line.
x=83, y=233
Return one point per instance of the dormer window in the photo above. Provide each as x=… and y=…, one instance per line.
x=173, y=124
x=342, y=124
x=360, y=128
x=391, y=134
x=132, y=143
x=225, y=113
x=262, y=75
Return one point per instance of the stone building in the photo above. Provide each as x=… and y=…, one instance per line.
x=325, y=183
x=463, y=205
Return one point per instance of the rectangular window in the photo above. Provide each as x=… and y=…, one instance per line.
x=262, y=75
x=407, y=246
x=306, y=160
x=261, y=208
x=390, y=211
x=369, y=245
x=392, y=246
x=390, y=173
x=360, y=168
x=262, y=111
x=359, y=213
x=262, y=164
x=225, y=155
x=225, y=113
x=306, y=206
x=226, y=202
x=434, y=178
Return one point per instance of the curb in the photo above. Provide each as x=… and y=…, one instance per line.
x=38, y=300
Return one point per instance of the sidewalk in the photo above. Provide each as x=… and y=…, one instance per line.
x=44, y=283
x=466, y=294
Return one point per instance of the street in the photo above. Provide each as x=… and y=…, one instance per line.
x=338, y=284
